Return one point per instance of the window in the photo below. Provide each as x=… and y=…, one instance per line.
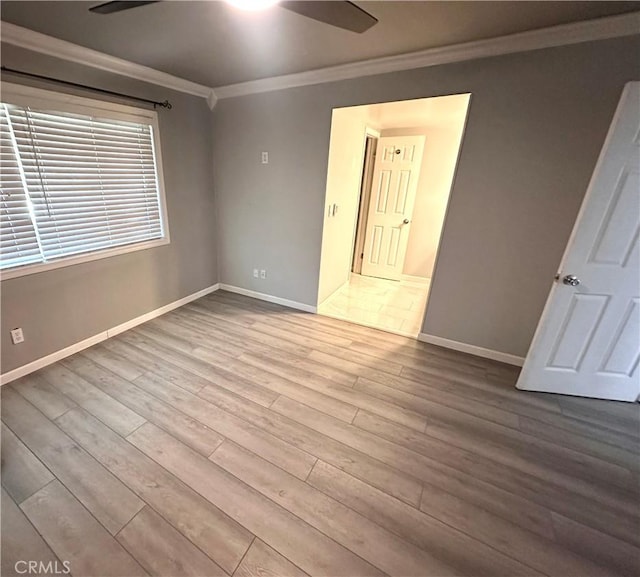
x=80, y=180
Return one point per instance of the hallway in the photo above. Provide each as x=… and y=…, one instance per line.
x=396, y=306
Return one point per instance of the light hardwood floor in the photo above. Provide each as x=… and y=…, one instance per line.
x=236, y=437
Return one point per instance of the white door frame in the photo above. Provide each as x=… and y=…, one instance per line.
x=363, y=200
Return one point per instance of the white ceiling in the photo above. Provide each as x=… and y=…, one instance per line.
x=215, y=44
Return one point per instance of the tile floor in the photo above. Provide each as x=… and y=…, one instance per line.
x=396, y=306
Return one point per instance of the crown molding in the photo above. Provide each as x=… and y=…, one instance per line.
x=565, y=34
x=37, y=42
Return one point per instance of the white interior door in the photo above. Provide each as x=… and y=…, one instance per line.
x=393, y=194
x=588, y=340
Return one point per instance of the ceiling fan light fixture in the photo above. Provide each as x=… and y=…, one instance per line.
x=252, y=5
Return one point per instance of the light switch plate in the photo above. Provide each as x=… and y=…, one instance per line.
x=265, y=158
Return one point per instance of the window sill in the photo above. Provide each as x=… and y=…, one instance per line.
x=79, y=259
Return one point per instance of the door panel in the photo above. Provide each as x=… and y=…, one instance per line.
x=395, y=181
x=375, y=250
x=394, y=245
x=382, y=191
x=588, y=339
x=620, y=226
x=576, y=334
x=622, y=354
x=403, y=192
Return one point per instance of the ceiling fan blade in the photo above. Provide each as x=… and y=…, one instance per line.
x=111, y=7
x=342, y=14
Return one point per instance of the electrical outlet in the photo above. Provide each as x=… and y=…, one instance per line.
x=256, y=273
x=263, y=273
x=17, y=336
x=265, y=158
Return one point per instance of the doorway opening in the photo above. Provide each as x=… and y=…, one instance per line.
x=391, y=169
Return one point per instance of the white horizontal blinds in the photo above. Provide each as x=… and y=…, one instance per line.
x=18, y=240
x=92, y=181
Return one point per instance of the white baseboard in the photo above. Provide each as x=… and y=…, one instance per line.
x=162, y=310
x=269, y=298
x=52, y=358
x=416, y=279
x=472, y=349
x=104, y=335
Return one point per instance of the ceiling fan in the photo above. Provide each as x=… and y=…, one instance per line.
x=341, y=13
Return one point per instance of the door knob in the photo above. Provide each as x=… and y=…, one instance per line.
x=571, y=280
x=406, y=221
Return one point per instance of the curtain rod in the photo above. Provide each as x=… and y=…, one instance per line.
x=166, y=104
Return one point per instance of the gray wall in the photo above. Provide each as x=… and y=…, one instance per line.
x=61, y=307
x=536, y=125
